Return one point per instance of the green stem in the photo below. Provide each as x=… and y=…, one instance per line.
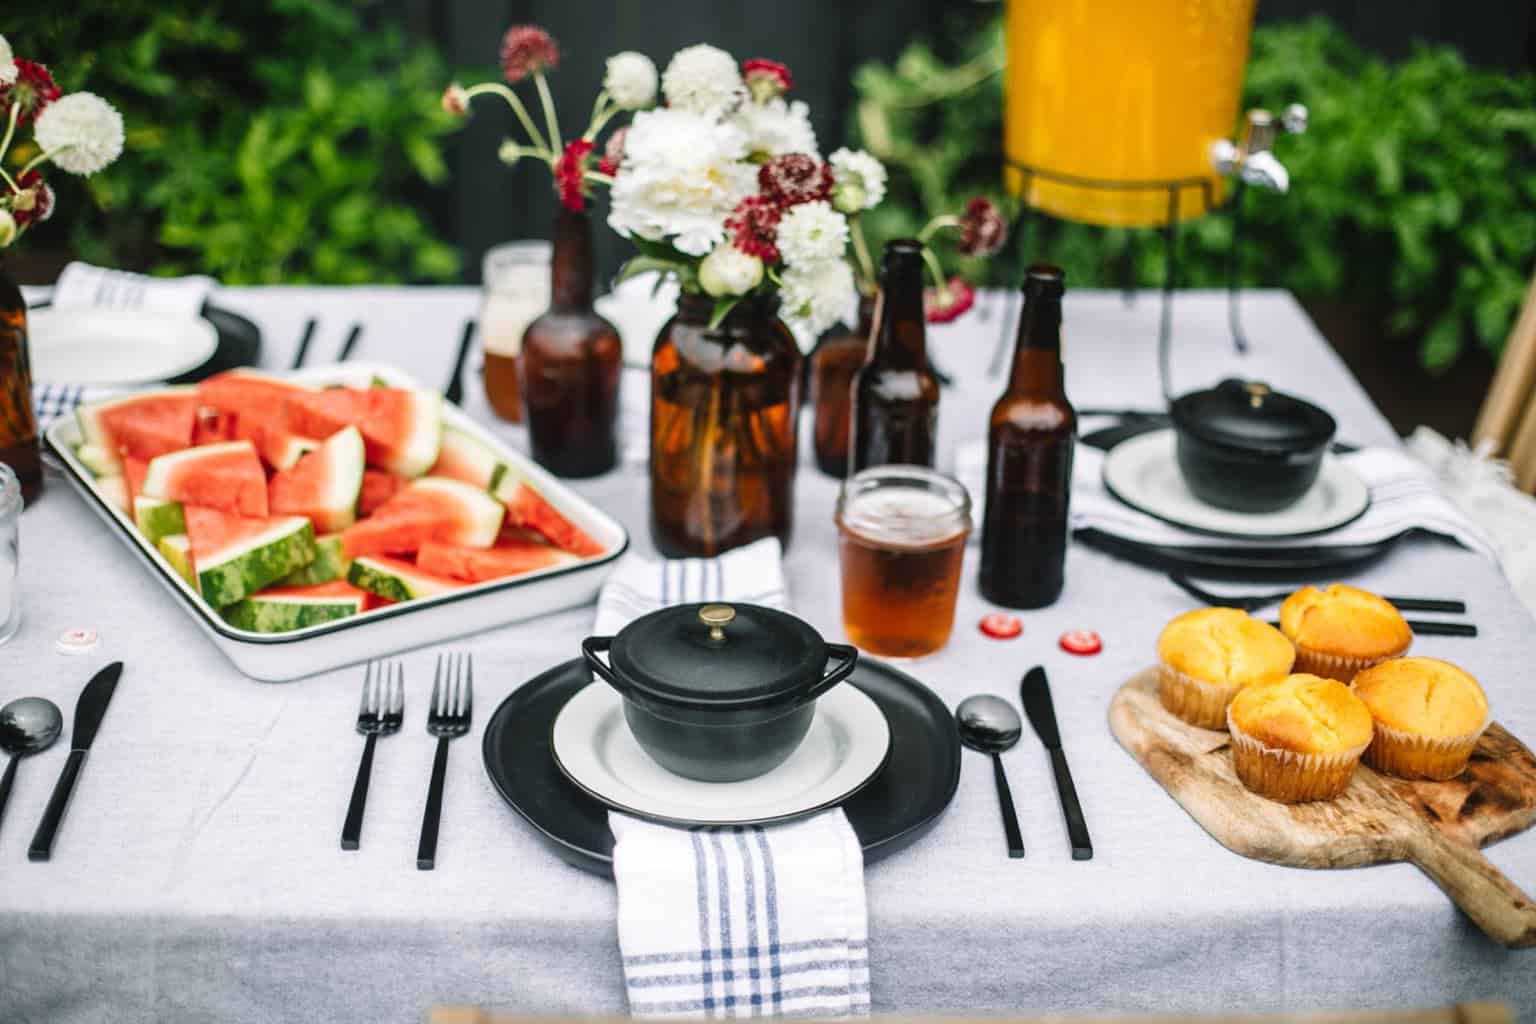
x=593, y=124
x=496, y=88
x=598, y=177
x=548, y=103
x=5, y=143
x=10, y=181
x=40, y=159
x=861, y=248
x=937, y=270
x=603, y=119
x=936, y=225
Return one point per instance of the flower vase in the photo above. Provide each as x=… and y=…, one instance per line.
x=834, y=361
x=18, y=422
x=724, y=405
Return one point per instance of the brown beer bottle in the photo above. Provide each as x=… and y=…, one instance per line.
x=895, y=396
x=18, y=424
x=1029, y=459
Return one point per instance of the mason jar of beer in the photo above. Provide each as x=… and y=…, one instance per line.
x=1029, y=459
x=895, y=395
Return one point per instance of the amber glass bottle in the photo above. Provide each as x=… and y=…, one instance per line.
x=895, y=396
x=18, y=422
x=724, y=405
x=1029, y=460
x=834, y=361
x=571, y=363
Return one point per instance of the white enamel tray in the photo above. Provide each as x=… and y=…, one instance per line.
x=281, y=656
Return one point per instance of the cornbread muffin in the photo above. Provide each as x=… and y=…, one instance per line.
x=1206, y=656
x=1342, y=630
x=1299, y=739
x=1429, y=715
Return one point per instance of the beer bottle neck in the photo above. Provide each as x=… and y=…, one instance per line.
x=571, y=271
x=899, y=336
x=1037, y=352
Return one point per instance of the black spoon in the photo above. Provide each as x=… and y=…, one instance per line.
x=27, y=726
x=989, y=724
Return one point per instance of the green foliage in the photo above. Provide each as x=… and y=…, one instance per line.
x=292, y=141
x=1413, y=191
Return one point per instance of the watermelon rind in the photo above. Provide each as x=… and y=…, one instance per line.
x=420, y=441
x=156, y=517
x=177, y=550
x=482, y=514
x=465, y=457
x=96, y=459
x=334, y=506
x=162, y=469
x=253, y=562
x=94, y=433
x=329, y=564
x=289, y=450
x=114, y=489
x=283, y=613
x=396, y=580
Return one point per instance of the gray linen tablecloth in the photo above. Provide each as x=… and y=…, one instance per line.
x=198, y=874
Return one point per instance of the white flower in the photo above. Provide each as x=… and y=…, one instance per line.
x=7, y=228
x=7, y=63
x=775, y=128
x=820, y=295
x=702, y=79
x=631, y=80
x=812, y=233
x=858, y=180
x=729, y=271
x=683, y=173
x=81, y=132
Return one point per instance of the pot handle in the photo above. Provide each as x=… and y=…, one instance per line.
x=589, y=650
x=848, y=658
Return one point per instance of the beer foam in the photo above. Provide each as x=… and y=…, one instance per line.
x=903, y=516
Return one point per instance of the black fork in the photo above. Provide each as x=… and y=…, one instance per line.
x=448, y=718
x=380, y=713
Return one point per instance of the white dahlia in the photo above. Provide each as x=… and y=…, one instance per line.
x=858, y=180
x=683, y=173
x=631, y=80
x=818, y=296
x=729, y=271
x=81, y=132
x=702, y=79
x=811, y=234
x=7, y=63
x=775, y=128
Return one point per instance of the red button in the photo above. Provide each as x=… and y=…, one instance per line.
x=1001, y=627
x=1081, y=641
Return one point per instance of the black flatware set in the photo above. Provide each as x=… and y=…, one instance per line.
x=1421, y=627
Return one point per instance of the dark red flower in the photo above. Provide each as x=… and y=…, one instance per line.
x=613, y=152
x=795, y=178
x=753, y=227
x=982, y=228
x=766, y=78
x=527, y=49
x=35, y=202
x=943, y=305
x=568, y=173
x=33, y=90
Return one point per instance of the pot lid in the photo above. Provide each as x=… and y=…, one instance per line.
x=718, y=655
x=1249, y=415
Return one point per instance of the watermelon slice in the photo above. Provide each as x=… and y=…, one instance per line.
x=237, y=556
x=177, y=550
x=328, y=565
x=255, y=403
x=143, y=425
x=213, y=426
x=527, y=508
x=467, y=458
x=323, y=485
x=402, y=429
x=134, y=471
x=511, y=556
x=281, y=609
x=158, y=518
x=97, y=460
x=379, y=485
x=227, y=477
x=397, y=580
x=432, y=508
x=115, y=490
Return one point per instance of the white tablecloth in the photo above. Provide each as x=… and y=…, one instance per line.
x=198, y=874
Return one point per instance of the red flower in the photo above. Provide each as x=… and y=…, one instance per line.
x=943, y=305
x=982, y=228
x=31, y=92
x=568, y=172
x=795, y=178
x=525, y=50
x=766, y=78
x=613, y=152
x=35, y=203
x=753, y=227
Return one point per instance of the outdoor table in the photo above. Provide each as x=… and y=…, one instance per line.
x=198, y=874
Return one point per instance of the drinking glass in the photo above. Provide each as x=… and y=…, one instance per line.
x=515, y=278
x=901, y=542
x=10, y=521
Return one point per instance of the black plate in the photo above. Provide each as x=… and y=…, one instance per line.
x=1213, y=561
x=901, y=803
x=239, y=343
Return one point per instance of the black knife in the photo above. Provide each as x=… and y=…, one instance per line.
x=1035, y=693
x=88, y=713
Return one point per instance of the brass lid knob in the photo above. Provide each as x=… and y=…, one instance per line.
x=717, y=617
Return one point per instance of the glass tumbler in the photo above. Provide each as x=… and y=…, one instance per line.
x=10, y=581
x=901, y=542
x=515, y=278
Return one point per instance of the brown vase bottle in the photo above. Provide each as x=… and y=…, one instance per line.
x=836, y=359
x=571, y=362
x=724, y=409
x=895, y=396
x=18, y=422
x=1029, y=460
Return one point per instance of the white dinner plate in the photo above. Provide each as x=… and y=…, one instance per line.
x=116, y=346
x=1144, y=473
x=844, y=748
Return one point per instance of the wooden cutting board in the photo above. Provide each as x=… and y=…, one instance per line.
x=1435, y=825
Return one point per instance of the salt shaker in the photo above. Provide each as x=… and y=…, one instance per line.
x=10, y=521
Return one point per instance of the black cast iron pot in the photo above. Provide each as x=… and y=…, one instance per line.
x=1244, y=447
x=719, y=692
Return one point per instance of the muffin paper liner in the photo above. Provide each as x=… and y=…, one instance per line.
x=1342, y=667
x=1288, y=776
x=1411, y=756
x=1194, y=700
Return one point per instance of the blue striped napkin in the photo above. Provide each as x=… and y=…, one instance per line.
x=51, y=401
x=741, y=921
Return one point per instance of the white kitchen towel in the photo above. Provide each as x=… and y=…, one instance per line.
x=734, y=921
x=1404, y=496
x=84, y=286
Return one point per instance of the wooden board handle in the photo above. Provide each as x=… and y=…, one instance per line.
x=1491, y=900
